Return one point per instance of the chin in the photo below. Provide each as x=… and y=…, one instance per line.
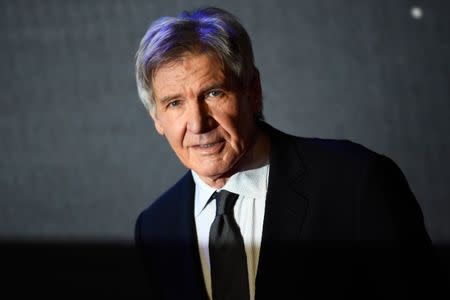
x=213, y=172
x=209, y=173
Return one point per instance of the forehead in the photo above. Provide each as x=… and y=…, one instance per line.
x=192, y=69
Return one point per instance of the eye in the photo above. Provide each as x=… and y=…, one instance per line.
x=214, y=93
x=173, y=103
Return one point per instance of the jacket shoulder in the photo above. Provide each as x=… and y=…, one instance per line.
x=328, y=152
x=166, y=207
x=333, y=148
x=321, y=148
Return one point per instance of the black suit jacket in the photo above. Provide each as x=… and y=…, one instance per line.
x=340, y=220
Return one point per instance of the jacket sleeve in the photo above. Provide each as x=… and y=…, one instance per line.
x=398, y=255
x=152, y=288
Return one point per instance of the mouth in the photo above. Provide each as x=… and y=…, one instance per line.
x=203, y=146
x=209, y=148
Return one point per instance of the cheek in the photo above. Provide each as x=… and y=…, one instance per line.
x=231, y=114
x=174, y=133
x=178, y=137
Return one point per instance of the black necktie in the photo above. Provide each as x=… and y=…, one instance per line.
x=227, y=253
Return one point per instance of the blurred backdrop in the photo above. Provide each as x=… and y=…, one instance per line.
x=80, y=157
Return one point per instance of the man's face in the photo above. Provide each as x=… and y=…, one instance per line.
x=209, y=124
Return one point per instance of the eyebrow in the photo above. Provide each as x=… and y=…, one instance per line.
x=212, y=86
x=169, y=98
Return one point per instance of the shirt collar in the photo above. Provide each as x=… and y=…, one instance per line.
x=202, y=193
x=249, y=183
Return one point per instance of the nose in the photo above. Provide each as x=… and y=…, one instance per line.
x=199, y=118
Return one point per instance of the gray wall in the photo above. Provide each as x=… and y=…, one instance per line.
x=79, y=155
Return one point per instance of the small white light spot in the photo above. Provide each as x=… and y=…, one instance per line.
x=416, y=12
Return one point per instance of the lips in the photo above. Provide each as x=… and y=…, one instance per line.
x=209, y=148
x=208, y=145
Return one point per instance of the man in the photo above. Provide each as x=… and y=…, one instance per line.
x=262, y=214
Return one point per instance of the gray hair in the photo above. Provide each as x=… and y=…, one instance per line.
x=211, y=30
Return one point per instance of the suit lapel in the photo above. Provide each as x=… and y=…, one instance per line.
x=285, y=209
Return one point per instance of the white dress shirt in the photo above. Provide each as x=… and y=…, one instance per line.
x=251, y=186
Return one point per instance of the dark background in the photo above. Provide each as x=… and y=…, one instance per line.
x=80, y=157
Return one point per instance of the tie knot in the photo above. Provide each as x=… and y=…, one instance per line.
x=225, y=201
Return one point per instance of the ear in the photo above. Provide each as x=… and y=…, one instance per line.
x=159, y=128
